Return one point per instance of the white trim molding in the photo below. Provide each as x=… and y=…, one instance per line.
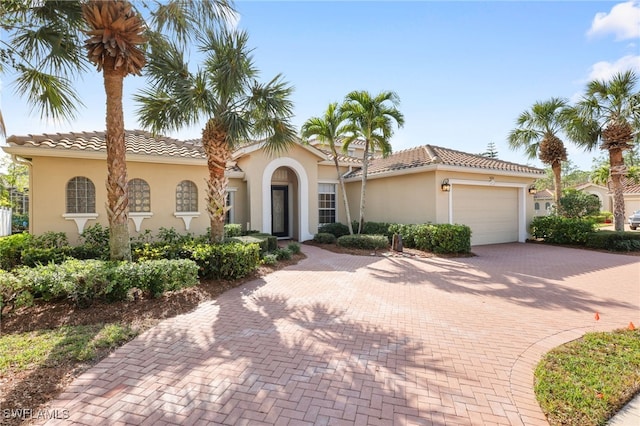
x=522, y=200
x=138, y=217
x=80, y=219
x=186, y=217
x=303, y=195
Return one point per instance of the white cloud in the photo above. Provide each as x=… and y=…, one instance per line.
x=623, y=21
x=604, y=70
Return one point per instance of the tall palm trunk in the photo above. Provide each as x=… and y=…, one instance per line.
x=214, y=141
x=556, y=167
x=618, y=171
x=365, y=169
x=117, y=196
x=344, y=191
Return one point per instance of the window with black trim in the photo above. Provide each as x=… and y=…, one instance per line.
x=81, y=195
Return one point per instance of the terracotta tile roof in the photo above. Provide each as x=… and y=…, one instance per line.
x=631, y=186
x=138, y=142
x=544, y=194
x=431, y=155
x=341, y=158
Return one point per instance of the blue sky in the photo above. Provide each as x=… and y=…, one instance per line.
x=463, y=70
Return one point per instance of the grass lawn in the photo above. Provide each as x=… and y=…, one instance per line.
x=586, y=381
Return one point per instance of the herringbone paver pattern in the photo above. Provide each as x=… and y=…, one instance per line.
x=365, y=340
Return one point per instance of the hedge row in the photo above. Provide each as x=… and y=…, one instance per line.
x=367, y=242
x=562, y=230
x=437, y=238
x=83, y=281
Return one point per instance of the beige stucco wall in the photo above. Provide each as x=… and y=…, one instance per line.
x=418, y=198
x=303, y=164
x=50, y=176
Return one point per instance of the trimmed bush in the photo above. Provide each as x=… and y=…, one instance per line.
x=368, y=242
x=33, y=256
x=373, y=228
x=406, y=231
x=283, y=253
x=226, y=261
x=336, y=229
x=232, y=230
x=11, y=250
x=561, y=230
x=447, y=238
x=270, y=259
x=83, y=281
x=14, y=293
x=614, y=241
x=324, y=238
x=294, y=248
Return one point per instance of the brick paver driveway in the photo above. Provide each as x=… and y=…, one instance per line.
x=341, y=339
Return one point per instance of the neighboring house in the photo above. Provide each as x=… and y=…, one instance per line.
x=289, y=195
x=631, y=196
x=600, y=192
x=543, y=202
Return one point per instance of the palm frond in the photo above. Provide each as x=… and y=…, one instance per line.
x=51, y=95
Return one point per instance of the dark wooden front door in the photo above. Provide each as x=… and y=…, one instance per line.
x=280, y=211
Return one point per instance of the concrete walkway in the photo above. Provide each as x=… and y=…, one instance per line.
x=340, y=339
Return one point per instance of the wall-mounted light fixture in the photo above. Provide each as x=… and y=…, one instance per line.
x=532, y=190
x=446, y=187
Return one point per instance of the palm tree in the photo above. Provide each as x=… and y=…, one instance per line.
x=370, y=119
x=327, y=129
x=45, y=49
x=537, y=134
x=116, y=32
x=608, y=116
x=227, y=95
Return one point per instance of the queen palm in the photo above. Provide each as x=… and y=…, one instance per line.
x=225, y=93
x=608, y=116
x=328, y=130
x=371, y=120
x=537, y=134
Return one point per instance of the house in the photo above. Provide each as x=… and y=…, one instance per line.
x=289, y=195
x=544, y=202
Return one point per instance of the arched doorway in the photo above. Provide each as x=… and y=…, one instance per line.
x=285, y=199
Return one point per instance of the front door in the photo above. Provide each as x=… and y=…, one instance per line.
x=280, y=211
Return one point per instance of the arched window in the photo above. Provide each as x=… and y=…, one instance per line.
x=139, y=196
x=536, y=206
x=81, y=195
x=186, y=197
x=547, y=206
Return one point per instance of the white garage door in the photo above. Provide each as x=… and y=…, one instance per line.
x=490, y=212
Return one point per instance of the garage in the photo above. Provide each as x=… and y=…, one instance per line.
x=490, y=211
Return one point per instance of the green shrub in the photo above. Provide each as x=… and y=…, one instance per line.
x=11, y=250
x=447, y=238
x=33, y=256
x=19, y=223
x=94, y=243
x=272, y=241
x=561, y=230
x=324, y=238
x=83, y=281
x=262, y=243
x=614, y=241
x=368, y=242
x=283, y=253
x=294, y=248
x=50, y=240
x=232, y=230
x=576, y=204
x=423, y=236
x=337, y=229
x=407, y=232
x=14, y=292
x=270, y=259
x=172, y=237
x=159, y=250
x=226, y=261
x=372, y=228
